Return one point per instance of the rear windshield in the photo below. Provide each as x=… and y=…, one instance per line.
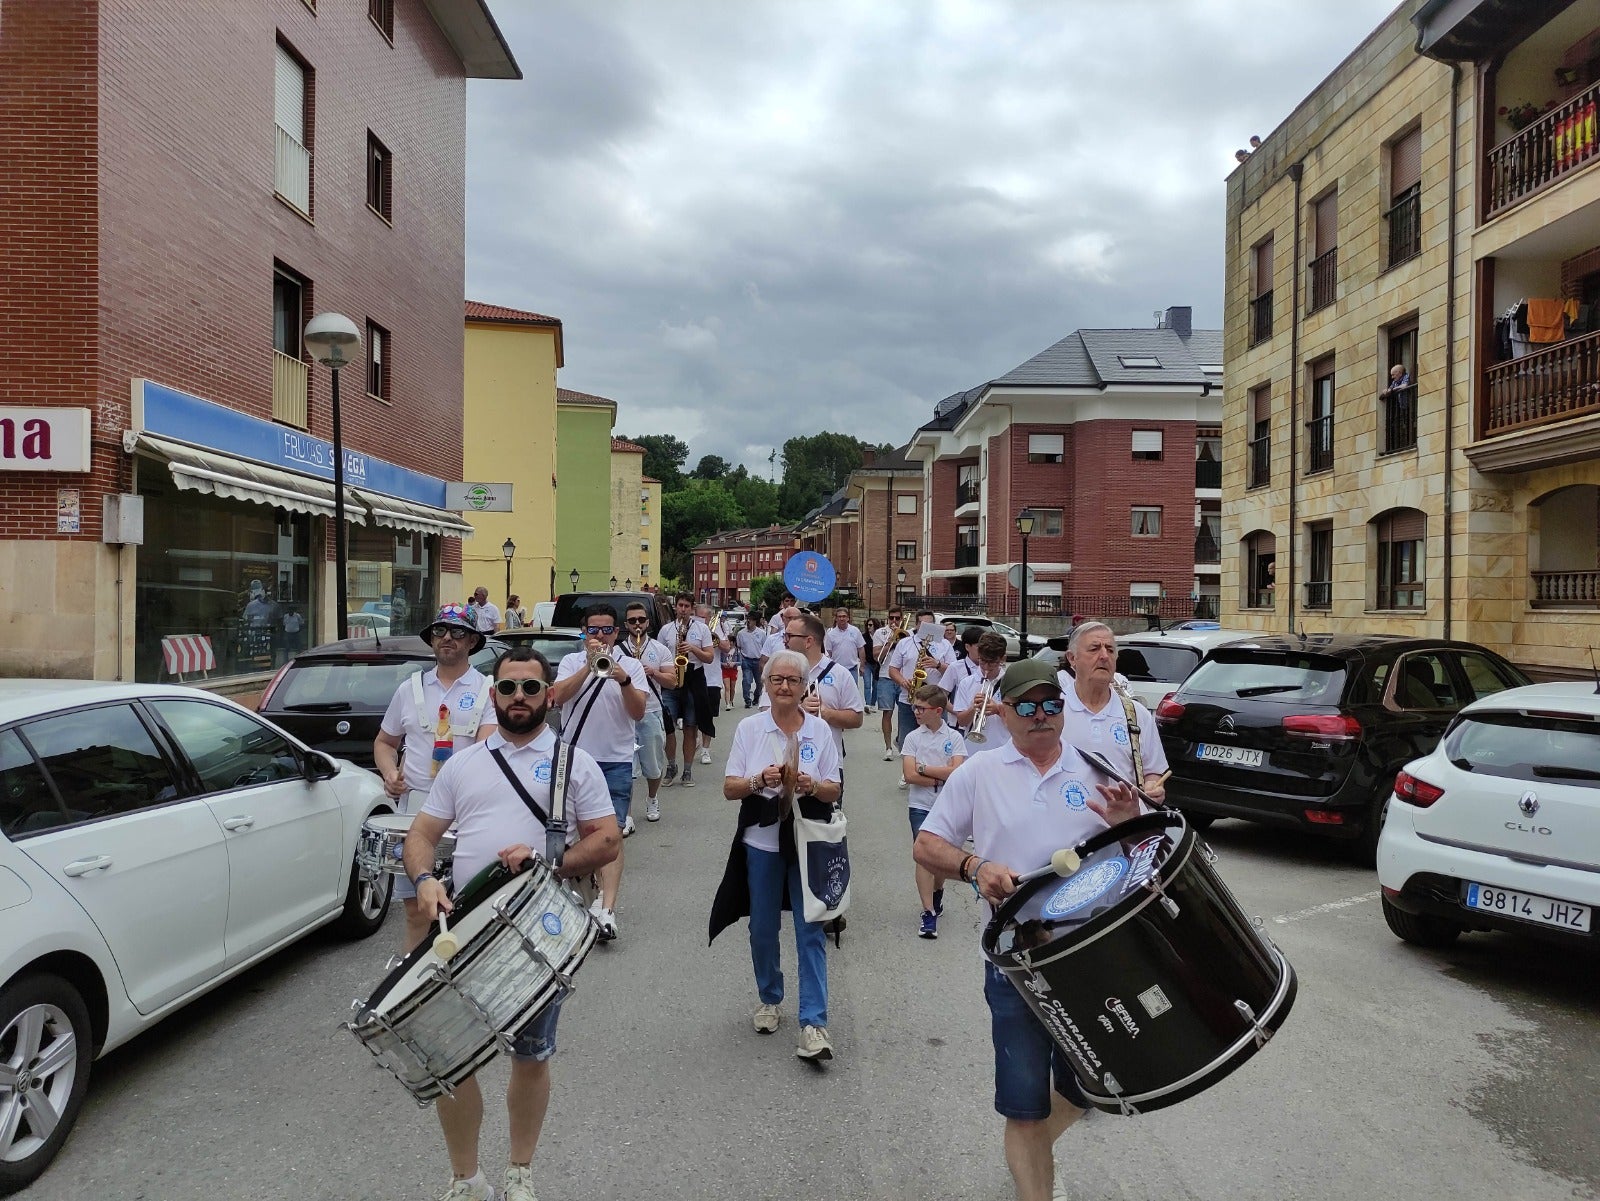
x=1528, y=746
x=363, y=685
x=1168, y=664
x=570, y=607
x=1270, y=675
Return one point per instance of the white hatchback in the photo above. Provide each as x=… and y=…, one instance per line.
x=1499, y=828
x=154, y=841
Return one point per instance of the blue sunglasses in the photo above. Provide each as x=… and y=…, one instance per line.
x=1029, y=708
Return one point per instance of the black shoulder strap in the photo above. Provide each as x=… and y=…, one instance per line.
x=594, y=694
x=527, y=799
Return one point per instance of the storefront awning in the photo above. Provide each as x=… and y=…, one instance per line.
x=409, y=515
x=220, y=474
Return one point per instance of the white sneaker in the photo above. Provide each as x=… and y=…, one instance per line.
x=476, y=1189
x=814, y=1044
x=519, y=1184
x=705, y=755
x=652, y=812
x=627, y=826
x=766, y=1018
x=887, y=755
x=901, y=785
x=606, y=919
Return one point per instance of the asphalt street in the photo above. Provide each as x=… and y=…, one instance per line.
x=1468, y=1074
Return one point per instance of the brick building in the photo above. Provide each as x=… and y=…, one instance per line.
x=726, y=562
x=1111, y=439
x=833, y=530
x=891, y=499
x=180, y=197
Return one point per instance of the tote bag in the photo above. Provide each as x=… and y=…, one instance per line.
x=824, y=857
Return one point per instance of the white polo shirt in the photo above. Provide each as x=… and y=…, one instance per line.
x=931, y=748
x=906, y=653
x=699, y=635
x=655, y=656
x=759, y=744
x=607, y=734
x=844, y=646
x=956, y=672
x=750, y=641
x=473, y=793
x=772, y=645
x=995, y=734
x=1107, y=732
x=836, y=687
x=402, y=719
x=488, y=617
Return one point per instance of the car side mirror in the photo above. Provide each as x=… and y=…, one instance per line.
x=320, y=767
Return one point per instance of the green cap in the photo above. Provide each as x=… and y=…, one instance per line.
x=1026, y=674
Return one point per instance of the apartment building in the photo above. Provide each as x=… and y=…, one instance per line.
x=726, y=562
x=1106, y=445
x=833, y=530
x=635, y=517
x=181, y=197
x=891, y=501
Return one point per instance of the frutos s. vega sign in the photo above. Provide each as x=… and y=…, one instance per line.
x=44, y=439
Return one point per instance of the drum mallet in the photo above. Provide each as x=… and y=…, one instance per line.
x=445, y=943
x=1063, y=863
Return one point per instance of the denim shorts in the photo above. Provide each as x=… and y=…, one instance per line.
x=918, y=816
x=670, y=709
x=538, y=1041
x=885, y=693
x=619, y=780
x=652, y=746
x=1025, y=1057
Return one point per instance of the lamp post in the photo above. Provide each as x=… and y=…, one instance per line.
x=508, y=548
x=900, y=583
x=573, y=576
x=627, y=584
x=1024, y=527
x=613, y=583
x=870, y=586
x=332, y=338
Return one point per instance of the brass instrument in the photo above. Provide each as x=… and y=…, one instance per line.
x=637, y=643
x=600, y=666
x=893, y=639
x=681, y=662
x=976, y=734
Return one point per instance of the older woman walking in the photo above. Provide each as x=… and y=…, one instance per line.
x=781, y=758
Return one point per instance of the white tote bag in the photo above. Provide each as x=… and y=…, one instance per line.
x=824, y=864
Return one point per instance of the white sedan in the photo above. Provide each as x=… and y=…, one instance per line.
x=154, y=841
x=1499, y=828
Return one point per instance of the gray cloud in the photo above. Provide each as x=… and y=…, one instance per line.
x=765, y=218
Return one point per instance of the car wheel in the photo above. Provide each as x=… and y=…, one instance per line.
x=1419, y=929
x=46, y=1045
x=366, y=903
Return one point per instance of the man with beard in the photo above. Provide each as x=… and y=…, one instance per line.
x=431, y=716
x=492, y=821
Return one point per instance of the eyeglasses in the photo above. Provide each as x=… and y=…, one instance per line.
x=596, y=631
x=786, y=681
x=638, y=621
x=787, y=634
x=528, y=688
x=920, y=709
x=1029, y=708
x=455, y=633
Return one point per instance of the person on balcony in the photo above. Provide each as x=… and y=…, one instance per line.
x=1399, y=381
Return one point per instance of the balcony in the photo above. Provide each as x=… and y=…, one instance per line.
x=1545, y=386
x=1400, y=419
x=1322, y=281
x=967, y=493
x=966, y=556
x=291, y=171
x=1261, y=461
x=1566, y=589
x=1261, y=318
x=1207, y=473
x=289, y=378
x=1206, y=548
x=1530, y=160
x=1405, y=226
x=1319, y=444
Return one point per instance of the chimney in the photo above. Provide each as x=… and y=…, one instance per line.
x=869, y=456
x=1180, y=320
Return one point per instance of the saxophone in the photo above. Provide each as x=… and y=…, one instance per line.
x=681, y=662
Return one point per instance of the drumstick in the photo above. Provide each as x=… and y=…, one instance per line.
x=445, y=944
x=1063, y=863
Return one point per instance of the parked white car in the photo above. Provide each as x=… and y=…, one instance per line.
x=1155, y=663
x=154, y=841
x=1012, y=636
x=1499, y=828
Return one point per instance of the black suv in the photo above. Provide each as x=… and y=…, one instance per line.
x=1309, y=732
x=334, y=697
x=570, y=607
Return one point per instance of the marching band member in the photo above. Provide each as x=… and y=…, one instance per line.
x=885, y=691
x=779, y=754
x=749, y=642
x=1019, y=807
x=686, y=703
x=932, y=751
x=966, y=664
x=977, y=695
x=720, y=648
x=844, y=644
x=659, y=673
x=830, y=691
x=923, y=651
x=600, y=705
x=432, y=715
x=1102, y=717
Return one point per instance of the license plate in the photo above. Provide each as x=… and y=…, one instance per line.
x=1241, y=755
x=1527, y=907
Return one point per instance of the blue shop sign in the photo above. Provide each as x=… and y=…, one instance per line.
x=170, y=413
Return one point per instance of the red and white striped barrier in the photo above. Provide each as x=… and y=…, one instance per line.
x=181, y=653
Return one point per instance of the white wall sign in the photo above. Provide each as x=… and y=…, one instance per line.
x=48, y=439
x=69, y=511
x=477, y=498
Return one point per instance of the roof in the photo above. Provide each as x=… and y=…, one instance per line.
x=649, y=479
x=1094, y=358
x=469, y=27
x=894, y=461
x=566, y=396
x=782, y=535
x=949, y=410
x=477, y=310
x=1338, y=645
x=623, y=446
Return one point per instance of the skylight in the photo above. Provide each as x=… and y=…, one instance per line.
x=1139, y=361
x=1211, y=368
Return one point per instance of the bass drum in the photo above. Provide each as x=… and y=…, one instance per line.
x=1142, y=966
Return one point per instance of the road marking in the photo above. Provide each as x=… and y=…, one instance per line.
x=1283, y=919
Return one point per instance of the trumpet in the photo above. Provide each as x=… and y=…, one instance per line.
x=600, y=666
x=681, y=662
x=976, y=734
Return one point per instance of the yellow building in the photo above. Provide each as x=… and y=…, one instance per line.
x=510, y=437
x=650, y=531
x=633, y=537
x=583, y=518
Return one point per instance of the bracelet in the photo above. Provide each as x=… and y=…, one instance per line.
x=417, y=883
x=976, y=868
x=962, y=870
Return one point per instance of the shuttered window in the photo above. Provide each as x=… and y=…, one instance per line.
x=1261, y=281
x=1402, y=538
x=289, y=95
x=1046, y=448
x=291, y=164
x=1405, y=163
x=1259, y=570
x=1327, y=223
x=1147, y=444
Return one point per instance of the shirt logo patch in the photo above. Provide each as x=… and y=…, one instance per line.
x=808, y=752
x=1075, y=795
x=541, y=771
x=467, y=703
x=1120, y=733
x=828, y=679
x=949, y=747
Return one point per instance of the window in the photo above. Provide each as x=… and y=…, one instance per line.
x=1144, y=597
x=1046, y=523
x=380, y=177
x=1398, y=418
x=644, y=544
x=378, y=367
x=644, y=519
x=1046, y=448
x=1146, y=521
x=27, y=803
x=966, y=546
x=968, y=486
x=1208, y=538
x=103, y=762
x=1139, y=362
x=1261, y=436
x=1319, y=428
x=291, y=172
x=1208, y=457
x=290, y=294
x=905, y=550
x=1485, y=677
x=1259, y=576
x=382, y=14
x=905, y=502
x=1423, y=681
x=1261, y=292
x=229, y=749
x=1400, y=539
x=1147, y=445
x=1404, y=217
x=1319, y=565
x=1323, y=272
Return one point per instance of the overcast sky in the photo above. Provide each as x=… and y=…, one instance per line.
x=762, y=218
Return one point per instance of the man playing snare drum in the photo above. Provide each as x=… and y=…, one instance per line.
x=493, y=822
x=431, y=716
x=1019, y=804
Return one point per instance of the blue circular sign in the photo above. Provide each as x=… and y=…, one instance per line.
x=552, y=925
x=809, y=576
x=1085, y=888
x=541, y=771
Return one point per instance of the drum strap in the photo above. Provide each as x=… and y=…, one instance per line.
x=1132, y=715
x=555, y=821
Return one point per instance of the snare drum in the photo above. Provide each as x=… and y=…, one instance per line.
x=434, y=1023
x=383, y=838
x=1142, y=967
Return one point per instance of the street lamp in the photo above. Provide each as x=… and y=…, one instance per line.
x=332, y=338
x=574, y=578
x=871, y=584
x=900, y=581
x=1025, y=527
x=613, y=583
x=508, y=548
x=627, y=584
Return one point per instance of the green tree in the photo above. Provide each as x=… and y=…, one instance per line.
x=758, y=498
x=813, y=469
x=765, y=593
x=664, y=457
x=711, y=467
x=692, y=514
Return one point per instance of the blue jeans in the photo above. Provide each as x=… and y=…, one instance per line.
x=751, y=681
x=906, y=720
x=619, y=780
x=765, y=871
x=869, y=682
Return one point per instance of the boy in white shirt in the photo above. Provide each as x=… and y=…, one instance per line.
x=930, y=753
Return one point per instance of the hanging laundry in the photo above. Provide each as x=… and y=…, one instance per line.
x=1546, y=321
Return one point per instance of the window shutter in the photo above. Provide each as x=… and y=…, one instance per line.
x=1266, y=543
x=1263, y=397
x=1405, y=162
x=1263, y=266
x=1327, y=223
x=1404, y=525
x=1140, y=589
x=1146, y=440
x=1046, y=444
x=289, y=96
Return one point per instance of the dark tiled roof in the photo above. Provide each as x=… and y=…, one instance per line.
x=949, y=410
x=477, y=310
x=1089, y=358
